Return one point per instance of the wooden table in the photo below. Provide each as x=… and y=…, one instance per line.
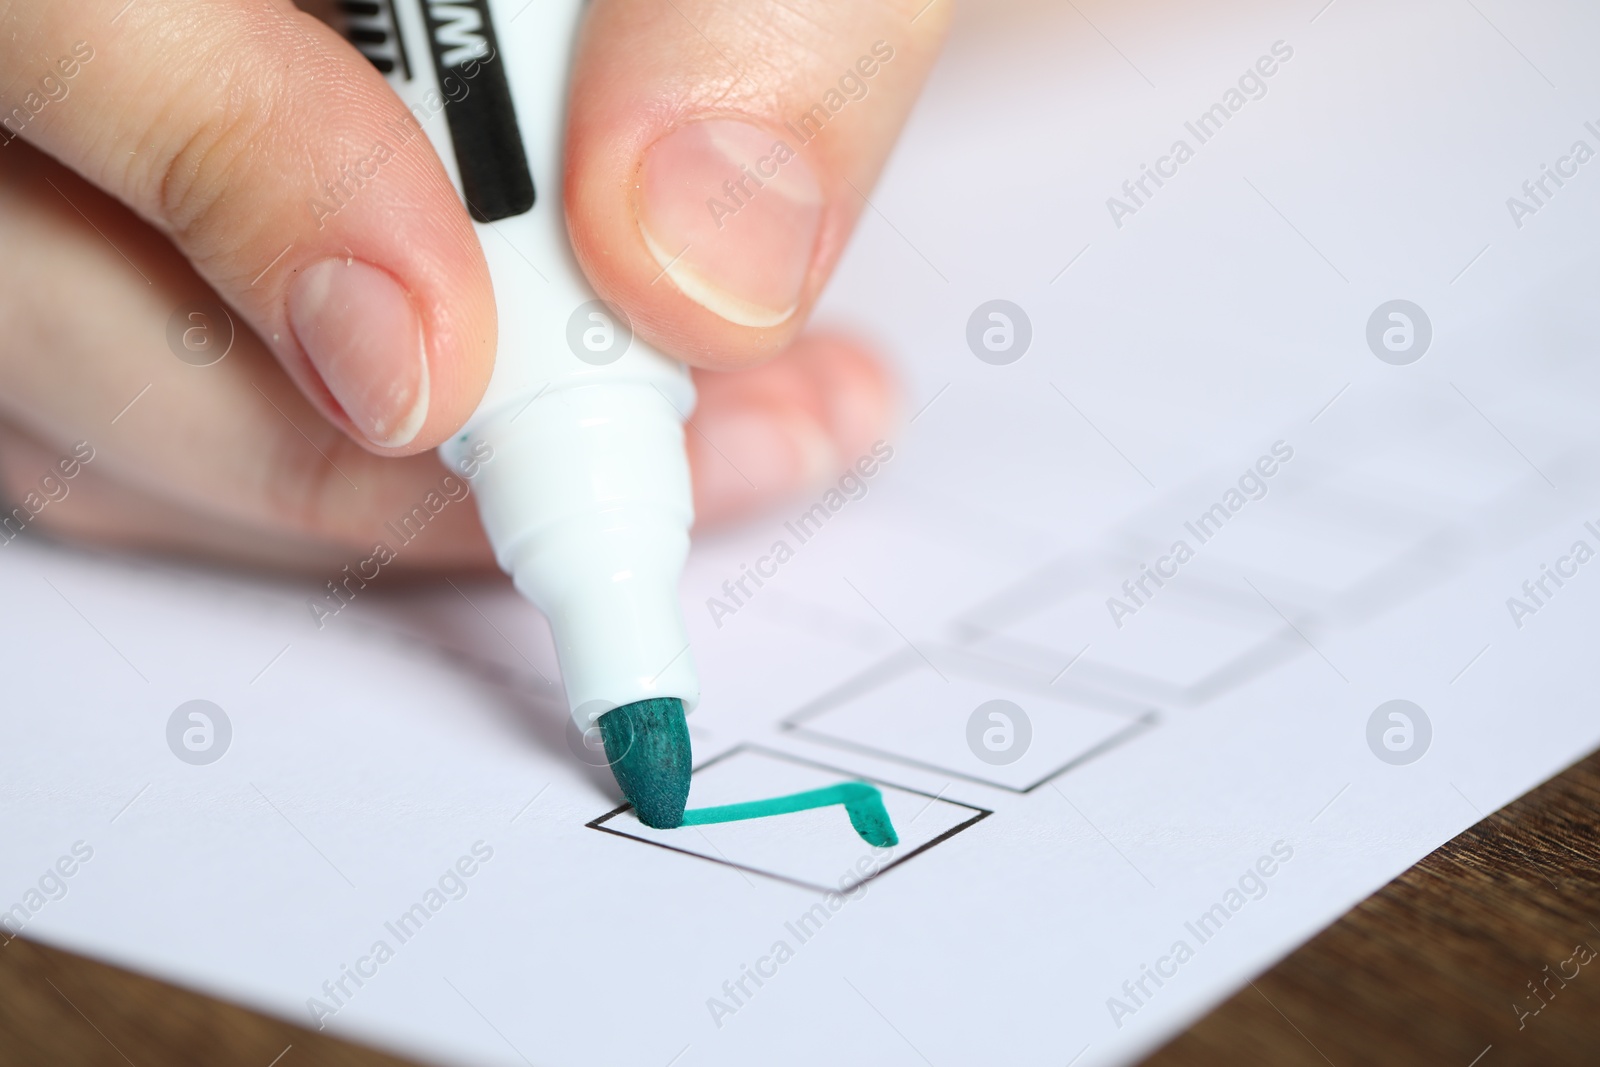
x=1438, y=967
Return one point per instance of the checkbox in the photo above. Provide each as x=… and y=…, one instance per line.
x=816, y=849
x=922, y=708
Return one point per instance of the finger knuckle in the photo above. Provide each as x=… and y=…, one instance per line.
x=192, y=186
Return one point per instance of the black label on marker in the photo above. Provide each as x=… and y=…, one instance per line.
x=495, y=180
x=371, y=26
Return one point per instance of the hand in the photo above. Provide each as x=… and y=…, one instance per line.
x=160, y=154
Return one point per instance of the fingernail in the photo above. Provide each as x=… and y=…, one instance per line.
x=357, y=325
x=774, y=452
x=731, y=212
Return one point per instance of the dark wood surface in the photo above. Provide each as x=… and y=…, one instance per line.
x=1436, y=967
x=1432, y=969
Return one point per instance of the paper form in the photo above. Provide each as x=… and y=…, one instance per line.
x=399, y=844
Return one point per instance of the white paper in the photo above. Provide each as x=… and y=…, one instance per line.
x=1200, y=775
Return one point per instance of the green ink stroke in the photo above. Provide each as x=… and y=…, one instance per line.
x=862, y=802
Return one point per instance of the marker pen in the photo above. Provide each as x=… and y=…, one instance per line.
x=586, y=499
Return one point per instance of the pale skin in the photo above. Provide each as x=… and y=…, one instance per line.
x=177, y=162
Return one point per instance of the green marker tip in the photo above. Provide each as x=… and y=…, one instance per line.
x=647, y=744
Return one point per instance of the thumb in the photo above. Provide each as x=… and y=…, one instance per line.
x=283, y=167
x=717, y=156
